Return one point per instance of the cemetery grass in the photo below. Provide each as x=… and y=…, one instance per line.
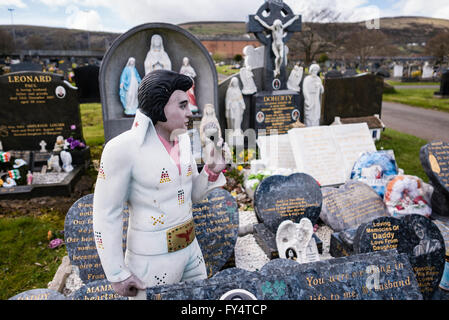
x=227, y=70
x=406, y=151
x=27, y=263
x=422, y=98
x=399, y=83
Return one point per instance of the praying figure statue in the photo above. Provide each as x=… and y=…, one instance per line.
x=209, y=126
x=129, y=83
x=295, y=78
x=277, y=44
x=235, y=106
x=247, y=78
x=187, y=69
x=157, y=58
x=312, y=89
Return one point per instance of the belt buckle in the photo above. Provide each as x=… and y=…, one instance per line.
x=181, y=236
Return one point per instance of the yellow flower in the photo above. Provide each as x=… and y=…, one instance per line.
x=239, y=168
x=234, y=194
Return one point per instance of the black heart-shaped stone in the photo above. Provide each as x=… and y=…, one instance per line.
x=216, y=227
x=278, y=198
x=435, y=161
x=415, y=235
x=350, y=205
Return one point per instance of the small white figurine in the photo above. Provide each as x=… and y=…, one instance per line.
x=294, y=241
x=188, y=70
x=129, y=83
x=209, y=125
x=43, y=144
x=247, y=78
x=295, y=78
x=312, y=89
x=53, y=163
x=66, y=159
x=59, y=144
x=235, y=106
x=157, y=58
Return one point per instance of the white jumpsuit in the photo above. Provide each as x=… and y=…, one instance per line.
x=136, y=168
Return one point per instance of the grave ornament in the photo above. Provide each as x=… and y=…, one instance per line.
x=157, y=58
x=66, y=159
x=375, y=169
x=129, y=83
x=159, y=196
x=312, y=89
x=188, y=70
x=209, y=125
x=247, y=78
x=235, y=107
x=277, y=42
x=405, y=195
x=295, y=242
x=295, y=78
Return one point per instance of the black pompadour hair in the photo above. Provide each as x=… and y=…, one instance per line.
x=155, y=90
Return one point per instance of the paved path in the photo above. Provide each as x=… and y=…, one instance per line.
x=418, y=86
x=423, y=123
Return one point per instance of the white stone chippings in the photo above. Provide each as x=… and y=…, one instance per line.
x=49, y=177
x=248, y=255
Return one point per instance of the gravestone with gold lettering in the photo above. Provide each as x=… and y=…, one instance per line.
x=414, y=235
x=39, y=294
x=80, y=239
x=435, y=161
x=276, y=110
x=279, y=198
x=350, y=205
x=216, y=220
x=382, y=275
x=216, y=228
x=97, y=290
x=37, y=106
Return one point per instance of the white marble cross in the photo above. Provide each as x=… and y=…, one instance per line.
x=43, y=144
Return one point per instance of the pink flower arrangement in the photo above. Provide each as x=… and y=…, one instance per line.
x=55, y=243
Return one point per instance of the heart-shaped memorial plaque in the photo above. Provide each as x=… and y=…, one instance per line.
x=279, y=198
x=350, y=205
x=80, y=239
x=415, y=235
x=216, y=220
x=435, y=161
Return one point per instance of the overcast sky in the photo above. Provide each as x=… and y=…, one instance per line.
x=122, y=15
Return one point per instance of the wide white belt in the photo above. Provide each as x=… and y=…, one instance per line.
x=151, y=243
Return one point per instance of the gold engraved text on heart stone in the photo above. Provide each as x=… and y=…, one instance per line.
x=434, y=164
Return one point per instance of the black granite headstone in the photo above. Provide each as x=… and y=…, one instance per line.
x=370, y=276
x=39, y=294
x=348, y=97
x=86, y=79
x=350, y=205
x=333, y=74
x=434, y=158
x=444, y=86
x=415, y=235
x=97, y=290
x=342, y=243
x=216, y=220
x=278, y=198
x=276, y=110
x=37, y=106
x=80, y=239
